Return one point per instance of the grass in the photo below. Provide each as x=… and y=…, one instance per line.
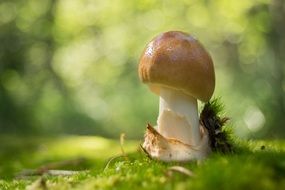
x=255, y=165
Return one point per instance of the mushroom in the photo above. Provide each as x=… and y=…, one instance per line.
x=176, y=67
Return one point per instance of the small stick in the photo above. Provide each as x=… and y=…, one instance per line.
x=182, y=170
x=111, y=160
x=29, y=173
x=145, y=151
x=61, y=172
x=122, y=140
x=50, y=169
x=60, y=164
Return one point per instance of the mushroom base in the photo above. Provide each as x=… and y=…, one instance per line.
x=170, y=149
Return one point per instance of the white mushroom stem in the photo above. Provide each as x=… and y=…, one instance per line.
x=178, y=117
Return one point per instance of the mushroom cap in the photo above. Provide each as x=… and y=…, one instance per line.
x=178, y=61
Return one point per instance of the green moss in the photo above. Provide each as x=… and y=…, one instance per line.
x=254, y=165
x=211, y=118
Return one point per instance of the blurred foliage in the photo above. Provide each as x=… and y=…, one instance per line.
x=71, y=66
x=20, y=153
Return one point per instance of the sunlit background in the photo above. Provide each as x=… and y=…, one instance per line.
x=70, y=66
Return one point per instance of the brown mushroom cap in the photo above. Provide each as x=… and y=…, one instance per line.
x=178, y=61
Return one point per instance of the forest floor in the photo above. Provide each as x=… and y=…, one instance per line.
x=80, y=162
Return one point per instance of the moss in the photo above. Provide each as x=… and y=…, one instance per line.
x=255, y=165
x=211, y=118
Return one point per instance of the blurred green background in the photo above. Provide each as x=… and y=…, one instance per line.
x=70, y=66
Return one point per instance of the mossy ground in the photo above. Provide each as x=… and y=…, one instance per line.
x=254, y=165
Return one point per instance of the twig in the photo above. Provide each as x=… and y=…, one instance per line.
x=51, y=169
x=111, y=160
x=60, y=164
x=122, y=140
x=181, y=170
x=30, y=173
x=61, y=172
x=145, y=151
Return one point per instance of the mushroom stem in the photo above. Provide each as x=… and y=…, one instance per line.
x=178, y=116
